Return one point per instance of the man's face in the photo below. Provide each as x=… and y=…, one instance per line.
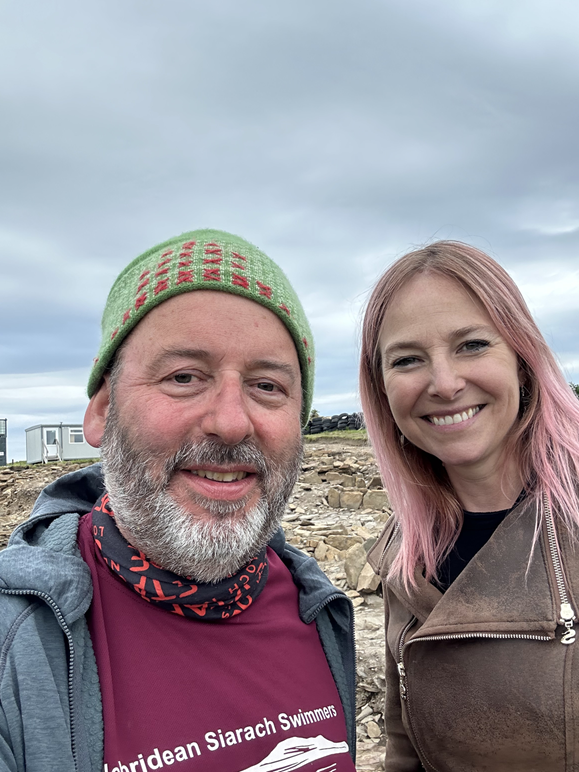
x=202, y=443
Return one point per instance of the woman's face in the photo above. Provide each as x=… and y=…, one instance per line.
x=451, y=381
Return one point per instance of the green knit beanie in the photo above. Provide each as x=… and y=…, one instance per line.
x=203, y=260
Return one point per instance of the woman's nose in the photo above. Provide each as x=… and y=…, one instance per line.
x=446, y=381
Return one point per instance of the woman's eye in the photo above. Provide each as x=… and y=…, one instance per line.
x=475, y=345
x=183, y=378
x=404, y=362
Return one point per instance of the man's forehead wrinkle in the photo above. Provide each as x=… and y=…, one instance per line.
x=168, y=354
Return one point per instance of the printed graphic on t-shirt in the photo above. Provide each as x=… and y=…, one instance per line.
x=297, y=752
x=298, y=742
x=309, y=754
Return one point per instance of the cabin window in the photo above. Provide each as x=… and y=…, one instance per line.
x=76, y=435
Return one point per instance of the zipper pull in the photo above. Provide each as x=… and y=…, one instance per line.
x=402, y=674
x=567, y=619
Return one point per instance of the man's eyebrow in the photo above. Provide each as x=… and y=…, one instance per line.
x=462, y=332
x=178, y=353
x=276, y=366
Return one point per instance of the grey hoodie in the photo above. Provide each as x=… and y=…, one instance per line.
x=50, y=702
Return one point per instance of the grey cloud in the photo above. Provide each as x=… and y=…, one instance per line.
x=333, y=134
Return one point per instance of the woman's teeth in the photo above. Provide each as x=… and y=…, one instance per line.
x=457, y=418
x=219, y=476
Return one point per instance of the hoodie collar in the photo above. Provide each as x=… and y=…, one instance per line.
x=42, y=557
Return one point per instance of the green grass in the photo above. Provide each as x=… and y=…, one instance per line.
x=359, y=435
x=51, y=463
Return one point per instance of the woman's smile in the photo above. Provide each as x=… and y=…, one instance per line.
x=458, y=417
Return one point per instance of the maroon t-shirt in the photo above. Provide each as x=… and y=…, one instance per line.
x=253, y=693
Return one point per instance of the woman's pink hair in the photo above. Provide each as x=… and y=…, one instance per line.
x=545, y=437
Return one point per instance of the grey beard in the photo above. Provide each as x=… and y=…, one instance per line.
x=166, y=532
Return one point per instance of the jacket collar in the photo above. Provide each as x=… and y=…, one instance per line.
x=502, y=589
x=42, y=557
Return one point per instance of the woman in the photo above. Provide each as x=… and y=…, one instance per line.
x=476, y=435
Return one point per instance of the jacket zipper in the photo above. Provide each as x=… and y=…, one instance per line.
x=451, y=637
x=392, y=535
x=401, y=669
x=71, y=659
x=566, y=612
x=567, y=616
x=323, y=604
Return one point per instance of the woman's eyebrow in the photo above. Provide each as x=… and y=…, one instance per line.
x=401, y=345
x=462, y=332
x=475, y=329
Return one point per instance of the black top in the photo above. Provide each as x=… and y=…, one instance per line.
x=477, y=529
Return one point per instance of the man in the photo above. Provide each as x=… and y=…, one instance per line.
x=157, y=618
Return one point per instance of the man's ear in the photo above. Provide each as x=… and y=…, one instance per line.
x=96, y=414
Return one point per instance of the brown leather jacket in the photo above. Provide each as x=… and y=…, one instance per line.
x=478, y=678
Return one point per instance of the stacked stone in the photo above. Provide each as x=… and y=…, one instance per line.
x=337, y=511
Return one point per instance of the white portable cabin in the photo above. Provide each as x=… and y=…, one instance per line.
x=57, y=442
x=3, y=459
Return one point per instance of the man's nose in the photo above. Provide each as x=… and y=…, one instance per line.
x=446, y=380
x=227, y=415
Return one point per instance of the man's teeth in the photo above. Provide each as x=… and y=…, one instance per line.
x=219, y=476
x=454, y=419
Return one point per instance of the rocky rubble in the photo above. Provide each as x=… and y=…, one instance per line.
x=336, y=512
x=20, y=486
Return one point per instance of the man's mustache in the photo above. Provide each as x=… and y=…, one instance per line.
x=209, y=452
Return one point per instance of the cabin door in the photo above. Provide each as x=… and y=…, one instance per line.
x=51, y=444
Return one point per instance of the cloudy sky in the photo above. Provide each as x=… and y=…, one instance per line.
x=334, y=134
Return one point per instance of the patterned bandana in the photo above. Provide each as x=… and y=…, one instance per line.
x=174, y=593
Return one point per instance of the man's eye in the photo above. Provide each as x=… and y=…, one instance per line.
x=265, y=386
x=183, y=378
